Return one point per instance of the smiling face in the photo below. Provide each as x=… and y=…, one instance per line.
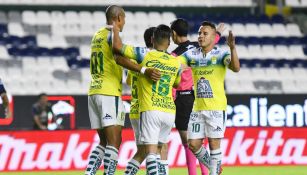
x=206, y=36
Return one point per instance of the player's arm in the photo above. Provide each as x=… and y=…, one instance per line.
x=178, y=78
x=219, y=31
x=232, y=62
x=128, y=79
x=152, y=73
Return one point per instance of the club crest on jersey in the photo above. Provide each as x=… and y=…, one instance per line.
x=204, y=89
x=203, y=62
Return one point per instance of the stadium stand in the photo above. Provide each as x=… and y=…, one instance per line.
x=54, y=46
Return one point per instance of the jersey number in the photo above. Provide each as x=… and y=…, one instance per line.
x=96, y=63
x=163, y=85
x=195, y=127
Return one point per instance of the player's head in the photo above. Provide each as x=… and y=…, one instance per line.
x=180, y=28
x=115, y=14
x=42, y=98
x=161, y=36
x=206, y=34
x=148, y=34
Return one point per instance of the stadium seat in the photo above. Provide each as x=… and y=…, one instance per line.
x=15, y=29
x=28, y=17
x=14, y=16
x=3, y=18
x=297, y=51
x=4, y=53
x=43, y=18
x=293, y=30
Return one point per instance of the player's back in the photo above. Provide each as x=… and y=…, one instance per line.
x=106, y=75
x=158, y=95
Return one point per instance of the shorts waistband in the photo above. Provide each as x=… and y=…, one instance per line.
x=187, y=92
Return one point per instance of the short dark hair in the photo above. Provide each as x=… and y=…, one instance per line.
x=113, y=11
x=161, y=33
x=41, y=95
x=148, y=35
x=208, y=23
x=180, y=26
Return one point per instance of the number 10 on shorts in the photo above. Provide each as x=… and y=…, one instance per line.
x=195, y=127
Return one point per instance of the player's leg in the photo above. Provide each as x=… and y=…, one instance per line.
x=112, y=121
x=215, y=129
x=97, y=154
x=184, y=106
x=162, y=158
x=149, y=135
x=167, y=122
x=134, y=164
x=196, y=134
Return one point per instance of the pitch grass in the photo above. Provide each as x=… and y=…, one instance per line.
x=251, y=170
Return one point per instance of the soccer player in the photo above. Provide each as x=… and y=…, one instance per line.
x=207, y=120
x=5, y=100
x=134, y=164
x=138, y=158
x=155, y=98
x=184, y=94
x=106, y=110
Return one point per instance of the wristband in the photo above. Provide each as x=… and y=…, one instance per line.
x=143, y=69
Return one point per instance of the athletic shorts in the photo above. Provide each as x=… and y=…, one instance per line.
x=184, y=106
x=209, y=124
x=105, y=111
x=155, y=126
x=135, y=123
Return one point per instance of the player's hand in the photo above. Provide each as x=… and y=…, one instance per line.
x=231, y=40
x=221, y=28
x=153, y=74
x=115, y=27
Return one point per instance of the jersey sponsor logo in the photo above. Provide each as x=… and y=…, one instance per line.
x=213, y=60
x=107, y=117
x=158, y=65
x=215, y=52
x=204, y=72
x=204, y=89
x=68, y=150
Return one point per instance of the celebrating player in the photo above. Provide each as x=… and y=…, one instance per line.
x=208, y=118
x=184, y=94
x=106, y=109
x=155, y=98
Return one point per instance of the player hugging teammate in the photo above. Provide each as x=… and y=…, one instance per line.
x=158, y=73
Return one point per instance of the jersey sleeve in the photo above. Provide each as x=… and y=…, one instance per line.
x=225, y=56
x=183, y=59
x=128, y=80
x=178, y=78
x=135, y=53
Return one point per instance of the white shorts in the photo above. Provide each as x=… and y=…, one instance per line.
x=135, y=123
x=105, y=111
x=155, y=126
x=209, y=124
